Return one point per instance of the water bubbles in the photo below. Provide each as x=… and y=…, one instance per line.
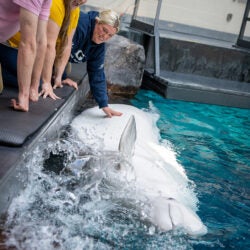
x=151, y=230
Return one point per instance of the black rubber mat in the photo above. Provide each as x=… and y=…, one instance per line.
x=16, y=127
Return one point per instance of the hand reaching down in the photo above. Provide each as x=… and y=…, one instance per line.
x=59, y=84
x=47, y=90
x=110, y=112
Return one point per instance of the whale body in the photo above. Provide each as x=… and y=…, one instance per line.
x=158, y=178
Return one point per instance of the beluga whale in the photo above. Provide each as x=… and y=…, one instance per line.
x=168, y=199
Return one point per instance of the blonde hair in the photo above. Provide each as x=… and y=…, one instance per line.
x=63, y=33
x=109, y=17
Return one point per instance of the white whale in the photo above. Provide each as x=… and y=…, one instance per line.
x=156, y=175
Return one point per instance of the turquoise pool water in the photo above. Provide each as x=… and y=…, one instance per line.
x=213, y=145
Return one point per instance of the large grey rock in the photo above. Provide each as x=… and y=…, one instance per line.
x=124, y=65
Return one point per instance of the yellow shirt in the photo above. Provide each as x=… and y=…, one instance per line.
x=57, y=13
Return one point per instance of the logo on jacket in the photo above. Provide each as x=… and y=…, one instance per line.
x=78, y=56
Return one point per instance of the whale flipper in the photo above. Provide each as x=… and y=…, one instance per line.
x=128, y=138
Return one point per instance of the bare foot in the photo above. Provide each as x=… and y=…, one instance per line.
x=34, y=95
x=18, y=106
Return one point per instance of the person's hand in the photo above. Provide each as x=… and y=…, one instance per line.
x=110, y=112
x=58, y=83
x=47, y=90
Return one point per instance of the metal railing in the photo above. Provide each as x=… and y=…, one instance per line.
x=241, y=41
x=150, y=30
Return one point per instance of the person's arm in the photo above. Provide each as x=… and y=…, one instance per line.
x=59, y=66
x=97, y=81
x=98, y=88
x=110, y=112
x=26, y=57
x=52, y=34
x=41, y=40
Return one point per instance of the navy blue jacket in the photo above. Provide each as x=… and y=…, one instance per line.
x=84, y=50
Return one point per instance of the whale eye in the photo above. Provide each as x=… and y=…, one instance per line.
x=118, y=166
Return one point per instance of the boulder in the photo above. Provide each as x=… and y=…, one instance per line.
x=124, y=65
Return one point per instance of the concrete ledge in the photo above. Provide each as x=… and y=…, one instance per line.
x=152, y=82
x=194, y=88
x=208, y=97
x=211, y=84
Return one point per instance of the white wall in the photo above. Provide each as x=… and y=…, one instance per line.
x=208, y=14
